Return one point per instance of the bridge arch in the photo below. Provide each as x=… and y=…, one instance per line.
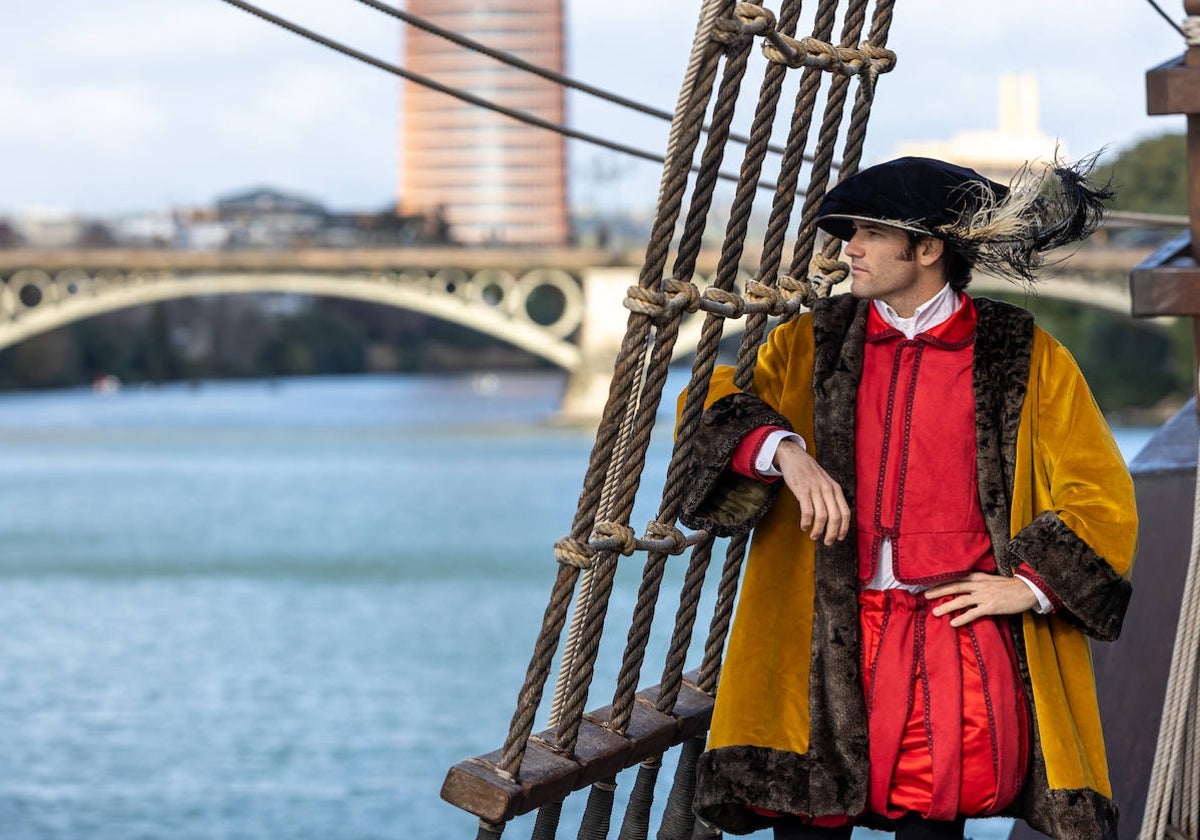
x=492, y=301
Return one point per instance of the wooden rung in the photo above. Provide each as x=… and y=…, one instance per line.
x=546, y=775
x=1167, y=282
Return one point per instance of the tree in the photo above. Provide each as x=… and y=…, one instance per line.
x=1150, y=177
x=315, y=342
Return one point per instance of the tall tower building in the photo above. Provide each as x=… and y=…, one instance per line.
x=492, y=178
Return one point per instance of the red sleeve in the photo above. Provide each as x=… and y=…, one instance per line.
x=1026, y=571
x=747, y=451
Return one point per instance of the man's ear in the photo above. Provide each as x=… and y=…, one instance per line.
x=930, y=250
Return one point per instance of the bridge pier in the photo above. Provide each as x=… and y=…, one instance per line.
x=600, y=337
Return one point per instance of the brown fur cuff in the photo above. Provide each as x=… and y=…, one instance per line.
x=1081, y=814
x=1094, y=596
x=730, y=778
x=719, y=500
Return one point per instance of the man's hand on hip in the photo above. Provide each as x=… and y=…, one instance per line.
x=980, y=594
x=823, y=509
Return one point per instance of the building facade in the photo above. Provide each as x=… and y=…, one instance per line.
x=1001, y=152
x=490, y=178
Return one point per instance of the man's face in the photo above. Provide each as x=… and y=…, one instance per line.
x=882, y=264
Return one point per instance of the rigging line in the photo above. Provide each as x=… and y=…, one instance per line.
x=470, y=98
x=521, y=64
x=1167, y=18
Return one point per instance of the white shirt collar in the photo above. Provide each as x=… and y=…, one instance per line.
x=928, y=315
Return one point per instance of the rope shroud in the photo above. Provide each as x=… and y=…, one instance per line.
x=581, y=749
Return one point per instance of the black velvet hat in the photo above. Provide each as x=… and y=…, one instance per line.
x=1003, y=229
x=913, y=193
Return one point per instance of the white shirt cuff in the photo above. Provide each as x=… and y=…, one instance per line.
x=764, y=464
x=1043, y=603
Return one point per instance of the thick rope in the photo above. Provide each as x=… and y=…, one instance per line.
x=600, y=532
x=684, y=781
x=651, y=395
x=583, y=660
x=583, y=602
x=678, y=817
x=702, y=370
x=755, y=154
x=636, y=825
x=826, y=141
x=881, y=23
x=693, y=584
x=829, y=270
x=1171, y=806
x=489, y=830
x=699, y=61
x=685, y=619
x=789, y=170
x=545, y=827
x=598, y=815
x=1190, y=29
x=683, y=138
x=710, y=667
x=690, y=243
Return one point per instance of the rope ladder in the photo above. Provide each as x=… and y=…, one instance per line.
x=581, y=749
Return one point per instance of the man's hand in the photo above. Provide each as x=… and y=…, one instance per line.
x=823, y=509
x=980, y=594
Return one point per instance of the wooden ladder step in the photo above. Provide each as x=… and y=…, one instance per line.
x=548, y=775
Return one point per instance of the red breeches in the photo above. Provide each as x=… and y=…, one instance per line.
x=947, y=715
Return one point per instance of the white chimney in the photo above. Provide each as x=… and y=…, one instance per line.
x=1009, y=116
x=1029, y=103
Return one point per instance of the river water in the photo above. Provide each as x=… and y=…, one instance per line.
x=278, y=609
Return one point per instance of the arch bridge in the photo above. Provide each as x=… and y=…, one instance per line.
x=564, y=306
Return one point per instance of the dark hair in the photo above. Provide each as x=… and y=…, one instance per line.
x=958, y=267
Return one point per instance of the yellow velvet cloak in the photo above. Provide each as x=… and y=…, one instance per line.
x=1058, y=496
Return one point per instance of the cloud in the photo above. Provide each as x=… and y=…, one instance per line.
x=207, y=98
x=88, y=116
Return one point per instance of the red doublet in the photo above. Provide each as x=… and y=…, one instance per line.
x=946, y=712
x=915, y=451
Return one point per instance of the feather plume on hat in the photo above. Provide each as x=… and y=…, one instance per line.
x=1043, y=208
x=1004, y=230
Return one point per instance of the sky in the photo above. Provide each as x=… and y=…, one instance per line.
x=136, y=105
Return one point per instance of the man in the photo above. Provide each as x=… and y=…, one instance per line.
x=911, y=642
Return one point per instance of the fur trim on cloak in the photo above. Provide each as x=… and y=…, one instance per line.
x=831, y=777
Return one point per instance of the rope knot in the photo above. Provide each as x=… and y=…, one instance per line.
x=1191, y=31
x=806, y=52
x=879, y=59
x=618, y=531
x=824, y=273
x=820, y=55
x=754, y=18
x=648, y=302
x=681, y=294
x=796, y=292
x=867, y=62
x=757, y=292
x=724, y=303
x=747, y=20
x=572, y=552
x=656, y=530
